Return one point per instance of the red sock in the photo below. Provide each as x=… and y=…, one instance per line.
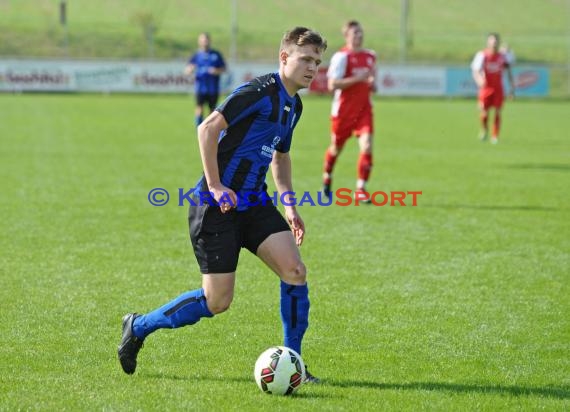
x=497, y=124
x=330, y=160
x=364, y=166
x=484, y=120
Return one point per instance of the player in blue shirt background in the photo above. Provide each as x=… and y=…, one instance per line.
x=249, y=132
x=207, y=65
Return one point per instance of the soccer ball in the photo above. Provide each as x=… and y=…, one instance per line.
x=279, y=371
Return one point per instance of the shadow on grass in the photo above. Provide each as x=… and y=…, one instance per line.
x=549, y=391
x=541, y=166
x=556, y=392
x=497, y=207
x=226, y=379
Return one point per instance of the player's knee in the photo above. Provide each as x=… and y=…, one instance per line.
x=219, y=304
x=296, y=274
x=334, y=149
x=365, y=143
x=218, y=307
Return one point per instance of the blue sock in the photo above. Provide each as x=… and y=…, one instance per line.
x=294, y=314
x=186, y=309
x=198, y=120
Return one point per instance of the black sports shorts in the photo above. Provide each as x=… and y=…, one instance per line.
x=218, y=237
x=210, y=99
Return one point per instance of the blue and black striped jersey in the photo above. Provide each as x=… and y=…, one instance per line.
x=261, y=117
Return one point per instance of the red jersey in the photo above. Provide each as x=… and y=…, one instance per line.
x=492, y=64
x=348, y=63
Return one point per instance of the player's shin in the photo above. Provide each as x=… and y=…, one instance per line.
x=484, y=119
x=186, y=309
x=497, y=124
x=364, y=166
x=294, y=314
x=329, y=162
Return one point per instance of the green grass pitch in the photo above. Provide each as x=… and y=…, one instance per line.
x=460, y=303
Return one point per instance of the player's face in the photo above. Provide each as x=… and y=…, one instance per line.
x=203, y=41
x=299, y=66
x=354, y=37
x=493, y=43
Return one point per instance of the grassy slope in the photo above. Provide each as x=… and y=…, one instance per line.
x=441, y=30
x=457, y=304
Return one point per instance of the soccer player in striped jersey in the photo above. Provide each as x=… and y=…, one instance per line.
x=248, y=133
x=352, y=77
x=488, y=66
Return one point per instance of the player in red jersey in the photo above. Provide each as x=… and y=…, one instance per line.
x=351, y=75
x=488, y=66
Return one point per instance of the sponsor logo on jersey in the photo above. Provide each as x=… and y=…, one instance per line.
x=267, y=151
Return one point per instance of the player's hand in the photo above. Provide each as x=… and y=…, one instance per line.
x=189, y=71
x=372, y=83
x=297, y=225
x=480, y=82
x=365, y=77
x=224, y=196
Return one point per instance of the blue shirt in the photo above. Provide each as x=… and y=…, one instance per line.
x=261, y=117
x=207, y=83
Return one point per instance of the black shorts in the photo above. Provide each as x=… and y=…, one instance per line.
x=210, y=99
x=218, y=237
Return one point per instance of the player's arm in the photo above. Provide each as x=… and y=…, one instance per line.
x=219, y=68
x=511, y=80
x=479, y=78
x=372, y=79
x=345, y=82
x=281, y=170
x=477, y=69
x=189, y=69
x=337, y=79
x=216, y=71
x=208, y=133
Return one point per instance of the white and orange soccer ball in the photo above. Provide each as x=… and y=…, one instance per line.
x=279, y=371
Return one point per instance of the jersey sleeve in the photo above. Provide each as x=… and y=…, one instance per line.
x=337, y=67
x=220, y=62
x=243, y=102
x=372, y=54
x=285, y=145
x=477, y=63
